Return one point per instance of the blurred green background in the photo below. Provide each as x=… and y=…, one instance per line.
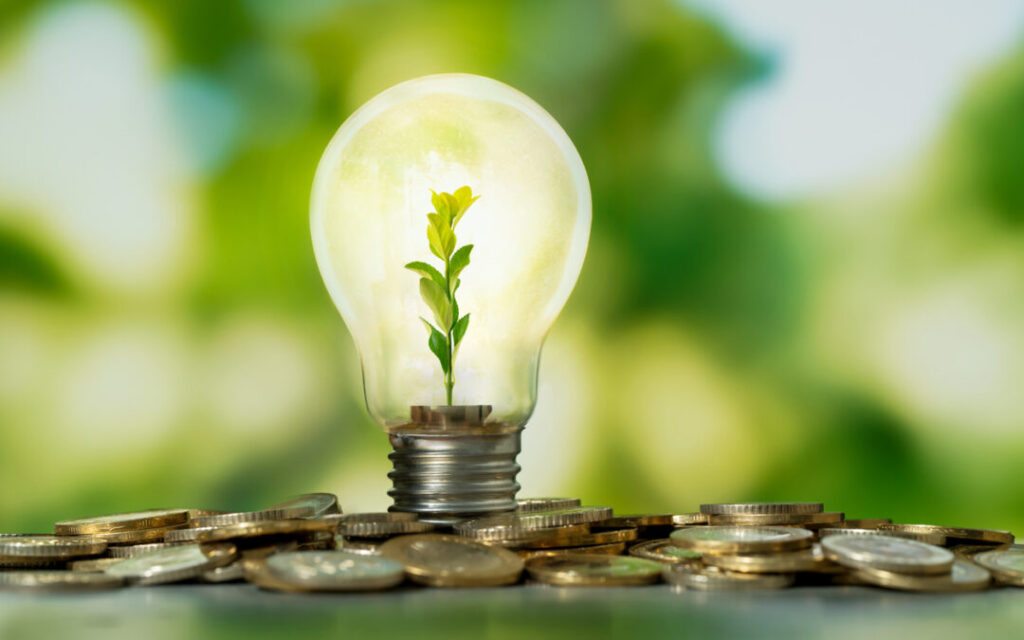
x=805, y=279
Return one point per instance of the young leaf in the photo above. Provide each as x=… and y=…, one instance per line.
x=465, y=201
x=439, y=346
x=442, y=206
x=434, y=239
x=455, y=312
x=426, y=323
x=447, y=238
x=459, y=261
x=452, y=205
x=427, y=271
x=437, y=300
x=460, y=329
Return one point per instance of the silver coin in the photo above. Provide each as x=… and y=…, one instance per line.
x=172, y=564
x=57, y=580
x=129, y=551
x=47, y=546
x=530, y=505
x=535, y=520
x=1006, y=565
x=887, y=553
x=309, y=505
x=381, y=525
x=712, y=579
x=735, y=539
x=335, y=571
x=736, y=508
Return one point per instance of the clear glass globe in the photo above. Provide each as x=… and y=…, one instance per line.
x=529, y=229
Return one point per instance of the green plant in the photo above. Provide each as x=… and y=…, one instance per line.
x=438, y=289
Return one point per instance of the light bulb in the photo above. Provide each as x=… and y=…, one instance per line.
x=529, y=230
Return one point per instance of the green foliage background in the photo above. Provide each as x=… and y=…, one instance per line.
x=713, y=348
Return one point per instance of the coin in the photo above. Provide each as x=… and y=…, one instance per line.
x=968, y=535
x=122, y=522
x=228, y=573
x=538, y=519
x=173, y=564
x=188, y=534
x=513, y=534
x=639, y=520
x=613, y=549
x=92, y=564
x=600, y=536
x=1007, y=565
x=588, y=570
x=442, y=560
x=16, y=562
x=335, y=571
x=805, y=560
x=137, y=549
x=964, y=576
x=686, y=519
x=320, y=504
x=887, y=553
x=358, y=547
x=57, y=581
x=527, y=505
x=305, y=506
x=47, y=546
x=718, y=509
x=261, y=529
x=664, y=551
x=719, y=539
x=137, y=536
x=864, y=523
x=774, y=519
x=929, y=538
x=381, y=525
x=713, y=579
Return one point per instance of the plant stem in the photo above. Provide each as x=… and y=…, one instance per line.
x=449, y=376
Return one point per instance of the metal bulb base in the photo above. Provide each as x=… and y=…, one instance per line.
x=448, y=475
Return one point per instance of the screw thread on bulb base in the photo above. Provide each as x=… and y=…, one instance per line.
x=450, y=476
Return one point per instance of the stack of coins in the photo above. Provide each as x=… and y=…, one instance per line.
x=306, y=544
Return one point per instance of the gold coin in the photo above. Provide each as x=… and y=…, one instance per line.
x=17, y=562
x=1007, y=565
x=138, y=536
x=990, y=536
x=613, y=549
x=664, y=551
x=92, y=564
x=255, y=572
x=185, y=534
x=335, y=571
x=639, y=520
x=537, y=520
x=754, y=508
x=887, y=553
x=714, y=579
x=928, y=538
x=512, y=534
x=863, y=523
x=57, y=581
x=588, y=570
x=358, y=547
x=720, y=539
x=122, y=522
x=964, y=576
x=305, y=506
x=594, y=537
x=805, y=560
x=775, y=519
x=46, y=546
x=687, y=519
x=381, y=525
x=173, y=564
x=262, y=529
x=528, y=505
x=441, y=560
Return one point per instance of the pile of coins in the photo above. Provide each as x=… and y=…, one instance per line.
x=306, y=545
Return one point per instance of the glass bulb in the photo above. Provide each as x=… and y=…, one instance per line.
x=529, y=231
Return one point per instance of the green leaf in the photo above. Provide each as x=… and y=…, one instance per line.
x=458, y=281
x=460, y=329
x=426, y=323
x=455, y=311
x=447, y=239
x=459, y=261
x=442, y=206
x=427, y=271
x=439, y=346
x=436, y=298
x=464, y=200
x=436, y=247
